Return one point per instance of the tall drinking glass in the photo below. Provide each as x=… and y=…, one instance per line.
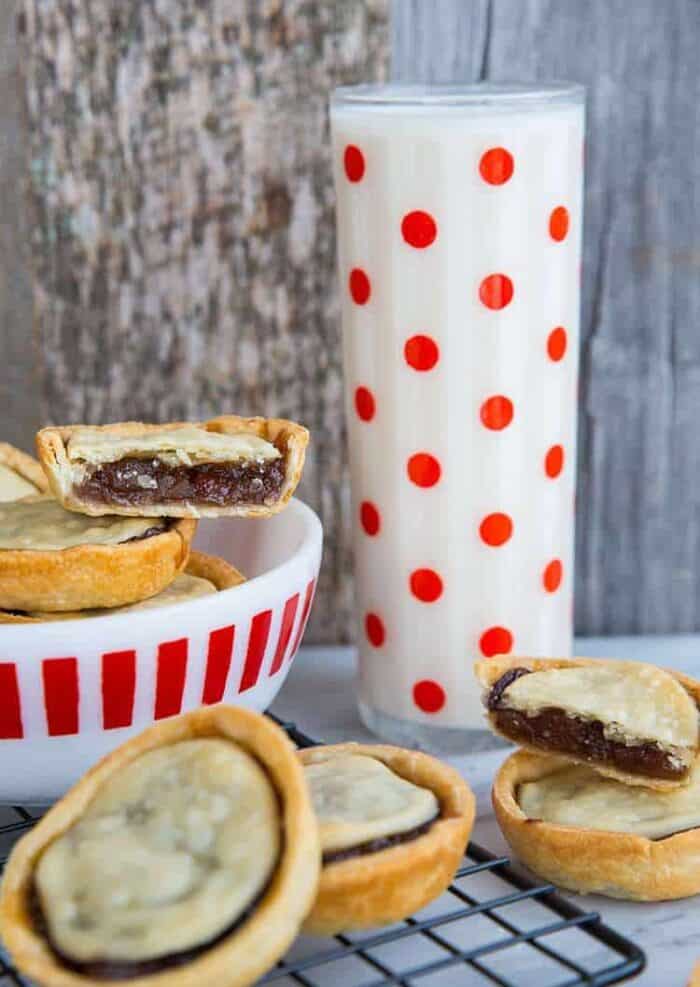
x=459, y=246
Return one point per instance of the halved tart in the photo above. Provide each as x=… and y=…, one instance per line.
x=628, y=720
x=54, y=560
x=203, y=575
x=188, y=856
x=592, y=834
x=20, y=474
x=229, y=466
x=393, y=825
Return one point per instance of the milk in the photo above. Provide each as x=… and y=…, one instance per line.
x=459, y=240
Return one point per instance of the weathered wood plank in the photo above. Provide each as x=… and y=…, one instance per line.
x=638, y=531
x=182, y=219
x=18, y=384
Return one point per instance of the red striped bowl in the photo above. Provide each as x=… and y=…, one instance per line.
x=72, y=690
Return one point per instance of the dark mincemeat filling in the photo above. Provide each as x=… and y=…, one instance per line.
x=158, y=529
x=140, y=482
x=559, y=732
x=374, y=846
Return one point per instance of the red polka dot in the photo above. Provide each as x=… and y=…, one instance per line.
x=551, y=576
x=496, y=166
x=369, y=518
x=360, y=288
x=426, y=585
x=556, y=344
x=496, y=291
x=418, y=229
x=496, y=529
x=423, y=469
x=497, y=412
x=496, y=641
x=554, y=462
x=374, y=629
x=428, y=696
x=421, y=352
x=354, y=161
x=364, y=404
x=559, y=223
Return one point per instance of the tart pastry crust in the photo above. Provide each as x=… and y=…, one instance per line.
x=200, y=565
x=89, y=576
x=288, y=438
x=615, y=864
x=672, y=711
x=378, y=888
x=25, y=467
x=239, y=958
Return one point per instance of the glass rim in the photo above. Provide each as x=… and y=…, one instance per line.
x=468, y=95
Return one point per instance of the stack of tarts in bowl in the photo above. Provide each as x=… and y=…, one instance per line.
x=604, y=794
x=196, y=852
x=110, y=620
x=106, y=518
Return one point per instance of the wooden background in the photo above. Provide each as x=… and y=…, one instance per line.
x=164, y=170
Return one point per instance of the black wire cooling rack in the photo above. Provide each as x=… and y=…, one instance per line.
x=494, y=925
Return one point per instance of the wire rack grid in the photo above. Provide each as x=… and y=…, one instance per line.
x=494, y=925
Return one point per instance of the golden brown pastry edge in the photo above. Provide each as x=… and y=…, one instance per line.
x=211, y=567
x=617, y=865
x=384, y=887
x=90, y=576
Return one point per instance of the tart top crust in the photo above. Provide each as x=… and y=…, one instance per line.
x=20, y=474
x=170, y=852
x=577, y=796
x=175, y=445
x=13, y=486
x=637, y=700
x=265, y=930
x=358, y=799
x=40, y=524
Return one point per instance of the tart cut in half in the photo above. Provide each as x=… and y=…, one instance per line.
x=188, y=857
x=628, y=720
x=591, y=834
x=203, y=575
x=393, y=825
x=54, y=560
x=229, y=466
x=20, y=474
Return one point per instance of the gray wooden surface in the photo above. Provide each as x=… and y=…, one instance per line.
x=638, y=536
x=186, y=341
x=181, y=208
x=18, y=379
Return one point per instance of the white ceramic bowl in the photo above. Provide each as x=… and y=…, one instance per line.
x=72, y=690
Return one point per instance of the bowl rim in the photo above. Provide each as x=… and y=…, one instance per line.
x=306, y=552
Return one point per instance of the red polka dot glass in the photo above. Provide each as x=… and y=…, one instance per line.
x=459, y=229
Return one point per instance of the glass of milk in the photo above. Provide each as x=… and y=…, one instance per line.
x=459, y=251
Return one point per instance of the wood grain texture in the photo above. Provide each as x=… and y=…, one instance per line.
x=638, y=507
x=18, y=383
x=182, y=220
